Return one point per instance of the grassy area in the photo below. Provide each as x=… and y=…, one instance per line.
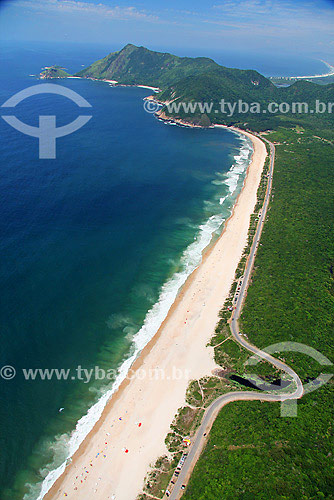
x=158, y=478
x=252, y=452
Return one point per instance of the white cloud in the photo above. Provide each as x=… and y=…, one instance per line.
x=274, y=18
x=274, y=11
x=78, y=7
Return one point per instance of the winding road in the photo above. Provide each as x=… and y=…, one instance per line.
x=213, y=410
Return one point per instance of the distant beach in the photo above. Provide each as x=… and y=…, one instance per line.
x=330, y=72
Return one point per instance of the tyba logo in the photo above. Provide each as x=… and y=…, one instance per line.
x=47, y=132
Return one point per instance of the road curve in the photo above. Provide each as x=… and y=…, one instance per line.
x=213, y=410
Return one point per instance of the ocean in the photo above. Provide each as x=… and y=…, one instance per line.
x=95, y=246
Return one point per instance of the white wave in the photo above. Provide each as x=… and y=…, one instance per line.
x=239, y=166
x=190, y=260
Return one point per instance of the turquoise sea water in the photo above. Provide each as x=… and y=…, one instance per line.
x=94, y=247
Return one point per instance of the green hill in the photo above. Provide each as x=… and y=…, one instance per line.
x=249, y=87
x=209, y=85
x=139, y=66
x=201, y=80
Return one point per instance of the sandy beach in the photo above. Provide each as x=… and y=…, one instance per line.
x=113, y=460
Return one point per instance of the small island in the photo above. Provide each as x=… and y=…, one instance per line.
x=53, y=71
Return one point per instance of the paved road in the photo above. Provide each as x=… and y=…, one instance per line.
x=213, y=410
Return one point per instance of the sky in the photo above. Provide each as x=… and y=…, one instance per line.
x=294, y=26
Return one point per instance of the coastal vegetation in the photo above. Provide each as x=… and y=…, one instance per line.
x=258, y=453
x=254, y=453
x=251, y=451
x=200, y=395
x=251, y=93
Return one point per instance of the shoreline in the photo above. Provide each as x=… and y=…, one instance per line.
x=85, y=451
x=306, y=77
x=112, y=83
x=324, y=75
x=161, y=116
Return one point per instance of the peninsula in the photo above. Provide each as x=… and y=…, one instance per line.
x=201, y=80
